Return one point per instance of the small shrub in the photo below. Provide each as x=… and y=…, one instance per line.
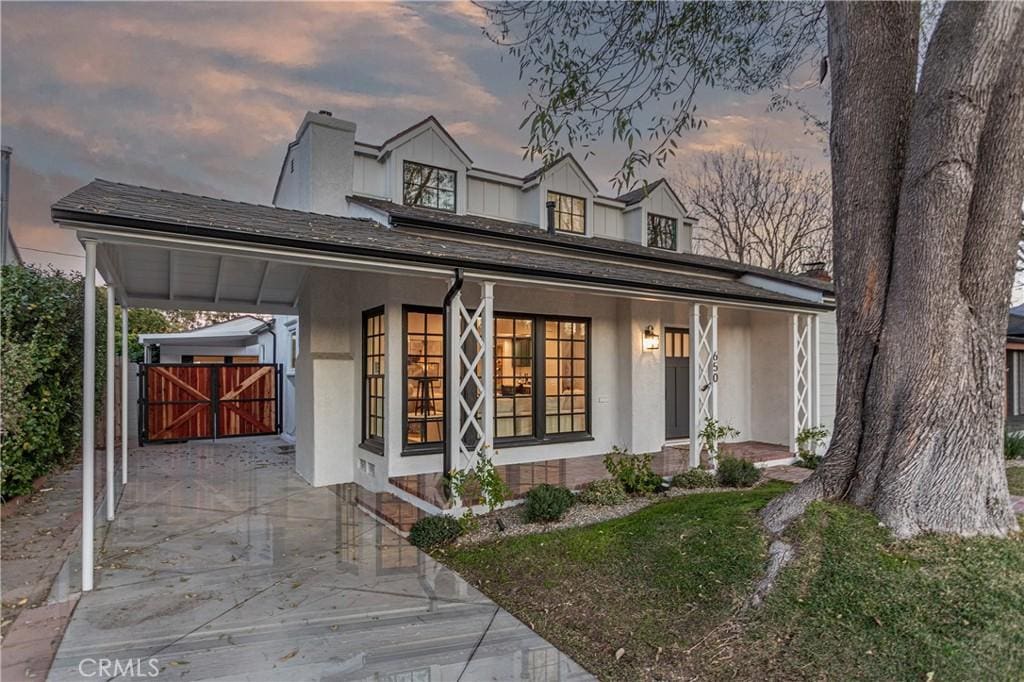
x=694, y=478
x=737, y=473
x=1013, y=446
x=434, y=531
x=607, y=492
x=712, y=435
x=807, y=443
x=633, y=472
x=547, y=503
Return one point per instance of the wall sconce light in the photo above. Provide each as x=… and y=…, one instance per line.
x=651, y=339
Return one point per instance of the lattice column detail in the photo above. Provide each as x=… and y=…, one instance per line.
x=803, y=375
x=703, y=375
x=470, y=338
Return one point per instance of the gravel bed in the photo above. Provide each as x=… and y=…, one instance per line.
x=578, y=515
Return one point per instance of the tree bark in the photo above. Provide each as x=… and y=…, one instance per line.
x=927, y=198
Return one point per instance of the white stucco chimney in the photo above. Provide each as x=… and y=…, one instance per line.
x=317, y=171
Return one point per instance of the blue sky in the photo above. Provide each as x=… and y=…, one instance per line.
x=203, y=97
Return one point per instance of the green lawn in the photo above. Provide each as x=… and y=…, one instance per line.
x=1015, y=477
x=665, y=585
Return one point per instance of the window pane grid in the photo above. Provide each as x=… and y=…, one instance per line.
x=565, y=365
x=513, y=377
x=424, y=364
x=428, y=186
x=570, y=213
x=662, y=232
x=373, y=377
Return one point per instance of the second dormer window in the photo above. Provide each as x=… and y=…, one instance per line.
x=662, y=232
x=570, y=213
x=428, y=186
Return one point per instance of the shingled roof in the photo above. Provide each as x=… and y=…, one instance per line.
x=131, y=208
x=630, y=251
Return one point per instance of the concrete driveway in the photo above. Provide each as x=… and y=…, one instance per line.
x=223, y=564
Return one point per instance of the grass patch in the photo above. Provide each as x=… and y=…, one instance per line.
x=648, y=581
x=857, y=605
x=664, y=584
x=1015, y=478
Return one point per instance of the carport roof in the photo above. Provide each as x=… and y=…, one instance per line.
x=132, y=209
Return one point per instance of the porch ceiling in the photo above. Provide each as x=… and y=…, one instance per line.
x=150, y=276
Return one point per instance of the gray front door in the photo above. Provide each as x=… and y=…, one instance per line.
x=677, y=383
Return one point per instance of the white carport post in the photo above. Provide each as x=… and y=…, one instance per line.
x=88, y=412
x=124, y=394
x=804, y=339
x=110, y=403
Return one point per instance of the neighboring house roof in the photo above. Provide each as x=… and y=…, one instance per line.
x=240, y=330
x=134, y=208
x=596, y=245
x=1015, y=322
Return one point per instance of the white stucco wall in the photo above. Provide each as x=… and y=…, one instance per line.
x=771, y=377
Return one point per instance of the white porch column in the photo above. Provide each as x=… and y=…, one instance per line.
x=803, y=376
x=703, y=375
x=124, y=394
x=816, y=358
x=88, y=412
x=110, y=404
x=471, y=385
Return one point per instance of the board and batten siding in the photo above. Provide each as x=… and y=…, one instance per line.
x=608, y=222
x=828, y=350
x=492, y=199
x=368, y=177
x=428, y=148
x=661, y=202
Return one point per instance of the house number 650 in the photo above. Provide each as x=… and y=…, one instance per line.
x=714, y=368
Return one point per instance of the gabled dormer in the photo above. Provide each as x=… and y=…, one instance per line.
x=653, y=215
x=564, y=183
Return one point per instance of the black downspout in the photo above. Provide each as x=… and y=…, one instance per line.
x=449, y=447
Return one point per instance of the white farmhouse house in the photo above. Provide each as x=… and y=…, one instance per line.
x=445, y=309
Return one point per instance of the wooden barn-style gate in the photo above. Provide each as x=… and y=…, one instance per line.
x=184, y=402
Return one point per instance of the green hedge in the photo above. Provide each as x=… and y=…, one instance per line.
x=41, y=366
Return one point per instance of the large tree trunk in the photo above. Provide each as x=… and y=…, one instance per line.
x=927, y=190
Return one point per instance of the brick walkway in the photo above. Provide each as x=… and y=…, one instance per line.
x=790, y=474
x=38, y=537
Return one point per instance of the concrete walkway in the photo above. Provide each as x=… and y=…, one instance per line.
x=224, y=564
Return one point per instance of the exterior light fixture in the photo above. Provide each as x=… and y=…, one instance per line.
x=651, y=339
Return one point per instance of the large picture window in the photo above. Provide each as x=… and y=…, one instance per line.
x=662, y=232
x=428, y=186
x=373, y=376
x=424, y=377
x=570, y=213
x=513, y=377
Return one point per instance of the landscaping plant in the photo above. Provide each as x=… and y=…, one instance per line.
x=1013, y=445
x=607, y=492
x=41, y=356
x=712, y=435
x=547, y=503
x=694, y=478
x=633, y=472
x=481, y=482
x=737, y=473
x=808, y=440
x=434, y=531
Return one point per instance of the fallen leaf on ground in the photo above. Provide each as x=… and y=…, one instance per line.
x=290, y=654
x=620, y=653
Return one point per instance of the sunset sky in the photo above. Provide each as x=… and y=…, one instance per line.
x=203, y=98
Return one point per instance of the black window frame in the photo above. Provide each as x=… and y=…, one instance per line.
x=374, y=444
x=431, y=448
x=540, y=436
x=455, y=186
x=675, y=232
x=551, y=195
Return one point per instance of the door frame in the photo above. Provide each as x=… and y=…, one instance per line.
x=689, y=363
